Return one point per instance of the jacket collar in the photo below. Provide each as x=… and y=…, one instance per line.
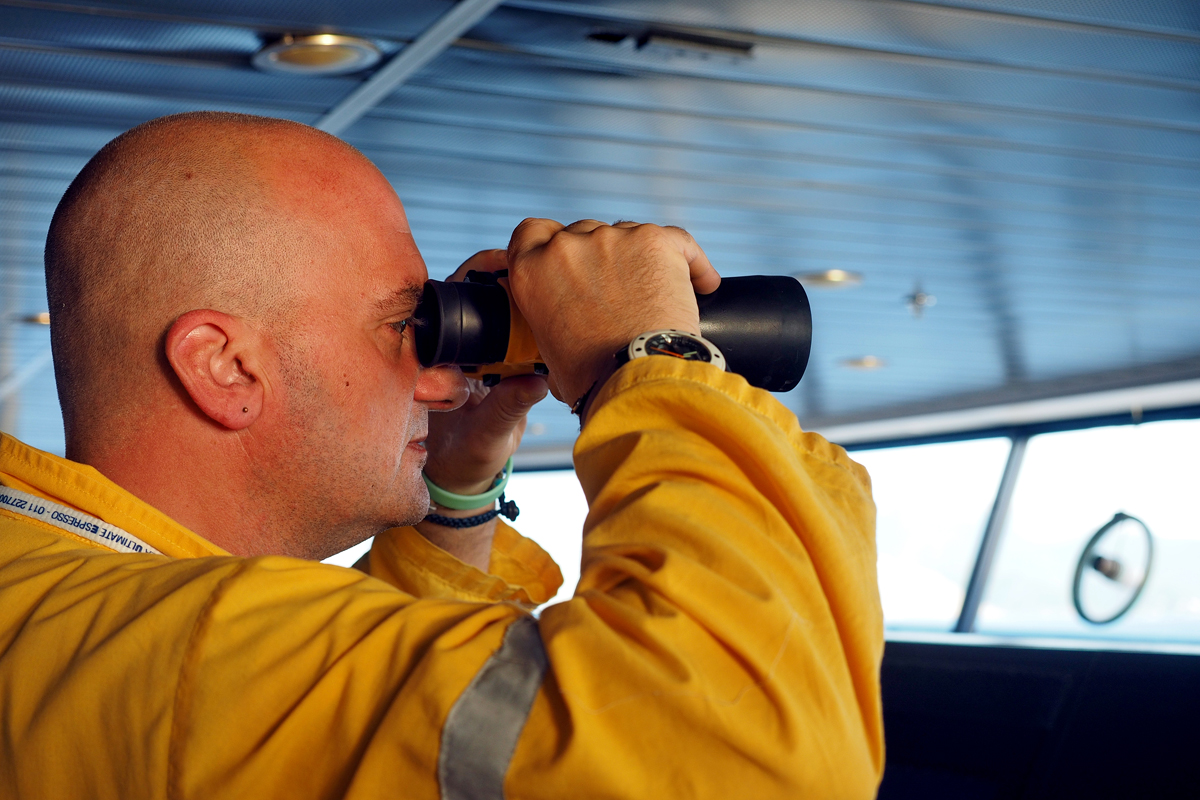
x=85, y=489
x=521, y=571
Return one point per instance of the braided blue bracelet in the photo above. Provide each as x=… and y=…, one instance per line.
x=507, y=508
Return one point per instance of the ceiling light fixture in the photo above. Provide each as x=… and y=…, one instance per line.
x=919, y=300
x=830, y=279
x=317, y=54
x=864, y=363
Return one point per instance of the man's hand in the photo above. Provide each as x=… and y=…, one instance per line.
x=588, y=288
x=468, y=447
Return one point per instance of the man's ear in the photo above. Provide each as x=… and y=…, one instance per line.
x=217, y=358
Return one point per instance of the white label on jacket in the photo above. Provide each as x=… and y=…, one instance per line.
x=73, y=521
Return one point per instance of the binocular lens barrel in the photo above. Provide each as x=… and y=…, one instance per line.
x=462, y=323
x=761, y=323
x=763, y=326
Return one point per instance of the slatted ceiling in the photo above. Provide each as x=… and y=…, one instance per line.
x=399, y=21
x=1035, y=164
x=878, y=22
x=927, y=82
x=153, y=85
x=1072, y=179
x=1152, y=18
x=128, y=38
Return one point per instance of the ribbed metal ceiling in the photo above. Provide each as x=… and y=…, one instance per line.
x=1034, y=164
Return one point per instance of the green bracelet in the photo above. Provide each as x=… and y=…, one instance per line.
x=463, y=502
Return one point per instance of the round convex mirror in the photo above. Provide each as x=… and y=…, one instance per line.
x=1113, y=569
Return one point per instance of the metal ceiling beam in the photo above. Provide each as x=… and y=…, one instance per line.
x=1171, y=384
x=417, y=54
x=1044, y=19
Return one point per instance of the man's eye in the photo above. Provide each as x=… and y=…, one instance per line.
x=405, y=325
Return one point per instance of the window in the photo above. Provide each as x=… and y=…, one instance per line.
x=553, y=509
x=1071, y=484
x=932, y=503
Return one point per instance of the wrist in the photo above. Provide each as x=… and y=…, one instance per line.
x=597, y=363
x=443, y=498
x=467, y=519
x=464, y=489
x=679, y=343
x=451, y=510
x=587, y=399
x=471, y=545
x=460, y=513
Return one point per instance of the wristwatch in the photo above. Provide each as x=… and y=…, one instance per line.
x=670, y=342
x=667, y=342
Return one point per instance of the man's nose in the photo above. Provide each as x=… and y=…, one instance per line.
x=441, y=388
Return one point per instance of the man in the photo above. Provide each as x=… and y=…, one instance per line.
x=231, y=301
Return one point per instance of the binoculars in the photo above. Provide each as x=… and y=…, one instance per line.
x=761, y=323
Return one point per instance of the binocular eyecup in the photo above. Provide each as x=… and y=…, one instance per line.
x=761, y=323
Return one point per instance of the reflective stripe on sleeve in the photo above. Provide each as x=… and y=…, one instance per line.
x=482, y=728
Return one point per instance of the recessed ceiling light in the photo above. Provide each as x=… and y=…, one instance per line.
x=830, y=279
x=40, y=318
x=864, y=363
x=317, y=54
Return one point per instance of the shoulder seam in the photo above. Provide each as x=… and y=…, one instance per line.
x=186, y=670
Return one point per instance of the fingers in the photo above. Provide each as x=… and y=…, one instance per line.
x=584, y=226
x=704, y=275
x=587, y=286
x=483, y=261
x=534, y=232
x=508, y=402
x=469, y=446
x=530, y=234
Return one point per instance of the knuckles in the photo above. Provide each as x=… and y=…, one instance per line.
x=530, y=233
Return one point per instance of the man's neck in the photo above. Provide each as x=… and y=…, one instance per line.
x=193, y=476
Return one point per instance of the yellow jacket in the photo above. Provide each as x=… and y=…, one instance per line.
x=724, y=640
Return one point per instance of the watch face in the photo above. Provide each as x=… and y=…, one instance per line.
x=677, y=345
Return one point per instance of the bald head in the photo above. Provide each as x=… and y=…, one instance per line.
x=180, y=213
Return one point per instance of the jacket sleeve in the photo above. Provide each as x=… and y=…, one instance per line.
x=520, y=571
x=724, y=642
x=726, y=634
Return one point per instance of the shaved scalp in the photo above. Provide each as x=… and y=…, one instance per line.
x=174, y=215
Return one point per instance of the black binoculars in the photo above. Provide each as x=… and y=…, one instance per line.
x=761, y=323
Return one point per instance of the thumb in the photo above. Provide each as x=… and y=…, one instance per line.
x=509, y=401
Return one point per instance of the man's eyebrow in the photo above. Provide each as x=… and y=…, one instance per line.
x=400, y=299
